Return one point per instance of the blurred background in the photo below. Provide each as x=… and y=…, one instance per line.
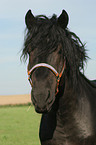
x=13, y=72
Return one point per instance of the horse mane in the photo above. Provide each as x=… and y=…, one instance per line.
x=46, y=34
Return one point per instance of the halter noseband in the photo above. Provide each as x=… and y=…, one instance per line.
x=55, y=72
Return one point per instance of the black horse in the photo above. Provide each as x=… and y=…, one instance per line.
x=60, y=91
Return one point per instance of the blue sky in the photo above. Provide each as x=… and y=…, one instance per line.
x=13, y=73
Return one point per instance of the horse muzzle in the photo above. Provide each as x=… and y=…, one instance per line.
x=42, y=104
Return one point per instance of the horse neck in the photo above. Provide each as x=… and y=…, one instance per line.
x=67, y=101
x=66, y=98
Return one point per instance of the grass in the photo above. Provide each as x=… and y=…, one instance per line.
x=19, y=126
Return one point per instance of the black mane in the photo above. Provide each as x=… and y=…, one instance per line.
x=47, y=34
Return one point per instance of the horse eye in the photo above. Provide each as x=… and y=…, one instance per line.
x=60, y=51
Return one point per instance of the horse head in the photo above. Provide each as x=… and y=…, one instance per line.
x=49, y=46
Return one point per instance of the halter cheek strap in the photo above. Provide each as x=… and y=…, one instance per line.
x=58, y=76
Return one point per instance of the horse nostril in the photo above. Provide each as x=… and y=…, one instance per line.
x=48, y=96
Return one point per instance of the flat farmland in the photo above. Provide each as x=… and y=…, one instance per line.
x=15, y=99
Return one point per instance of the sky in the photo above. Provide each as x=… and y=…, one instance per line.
x=13, y=72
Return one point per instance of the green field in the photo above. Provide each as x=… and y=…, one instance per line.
x=19, y=126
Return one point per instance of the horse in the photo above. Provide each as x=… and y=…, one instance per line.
x=60, y=90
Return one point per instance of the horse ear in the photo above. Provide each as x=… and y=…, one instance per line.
x=63, y=19
x=29, y=19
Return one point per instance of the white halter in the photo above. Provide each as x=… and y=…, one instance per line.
x=50, y=68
